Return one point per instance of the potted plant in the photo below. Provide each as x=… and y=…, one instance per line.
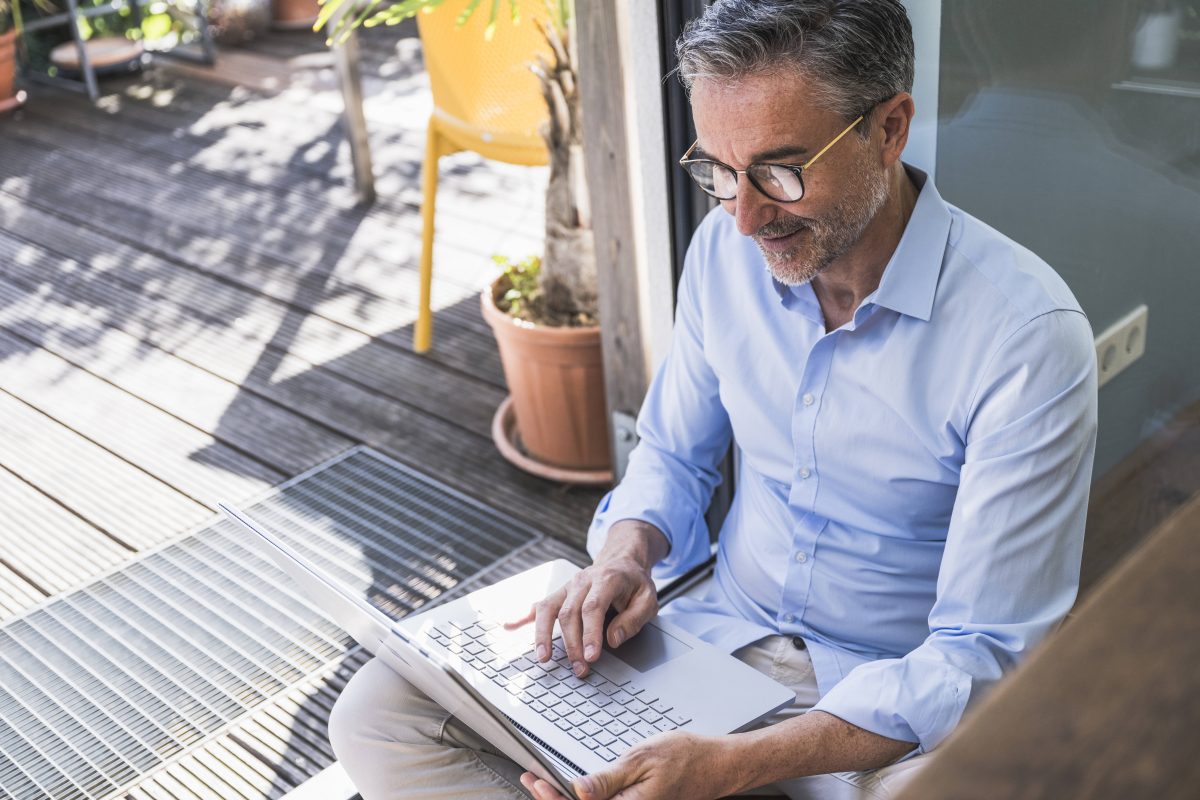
x=10, y=29
x=542, y=309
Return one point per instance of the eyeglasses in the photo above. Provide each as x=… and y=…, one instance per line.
x=783, y=183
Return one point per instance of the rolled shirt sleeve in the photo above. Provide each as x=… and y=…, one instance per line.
x=1010, y=570
x=683, y=431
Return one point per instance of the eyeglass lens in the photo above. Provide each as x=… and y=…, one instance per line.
x=778, y=183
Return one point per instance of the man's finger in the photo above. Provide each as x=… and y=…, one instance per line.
x=641, y=609
x=595, y=607
x=545, y=612
x=513, y=624
x=570, y=623
x=539, y=788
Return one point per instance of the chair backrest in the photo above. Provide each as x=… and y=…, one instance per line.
x=484, y=91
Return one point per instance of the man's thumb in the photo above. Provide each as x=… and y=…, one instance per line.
x=598, y=785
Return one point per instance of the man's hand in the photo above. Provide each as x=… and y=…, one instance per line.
x=619, y=579
x=668, y=766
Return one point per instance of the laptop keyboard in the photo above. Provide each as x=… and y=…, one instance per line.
x=606, y=716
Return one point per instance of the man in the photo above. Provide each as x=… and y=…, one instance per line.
x=913, y=400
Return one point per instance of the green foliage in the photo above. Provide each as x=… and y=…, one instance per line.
x=393, y=12
x=520, y=283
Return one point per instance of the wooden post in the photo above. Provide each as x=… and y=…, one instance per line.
x=350, y=79
x=607, y=160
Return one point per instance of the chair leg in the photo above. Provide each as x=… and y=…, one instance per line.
x=423, y=333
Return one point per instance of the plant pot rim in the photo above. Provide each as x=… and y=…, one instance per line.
x=493, y=314
x=504, y=436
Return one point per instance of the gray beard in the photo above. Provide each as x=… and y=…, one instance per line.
x=829, y=238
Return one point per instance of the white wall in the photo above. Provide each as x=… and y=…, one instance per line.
x=926, y=17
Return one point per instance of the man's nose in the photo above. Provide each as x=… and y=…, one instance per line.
x=752, y=209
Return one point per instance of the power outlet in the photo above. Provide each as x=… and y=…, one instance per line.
x=1122, y=344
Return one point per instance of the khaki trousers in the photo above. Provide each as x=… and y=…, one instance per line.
x=397, y=744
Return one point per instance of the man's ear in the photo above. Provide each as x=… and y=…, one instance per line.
x=894, y=117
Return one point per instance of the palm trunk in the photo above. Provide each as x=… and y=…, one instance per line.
x=568, y=271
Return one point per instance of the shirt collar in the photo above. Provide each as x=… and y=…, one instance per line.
x=910, y=279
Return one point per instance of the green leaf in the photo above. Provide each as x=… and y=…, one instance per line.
x=466, y=13
x=490, y=30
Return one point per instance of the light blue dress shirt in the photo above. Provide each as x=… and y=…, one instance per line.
x=911, y=488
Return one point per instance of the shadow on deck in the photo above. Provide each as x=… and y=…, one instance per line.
x=193, y=309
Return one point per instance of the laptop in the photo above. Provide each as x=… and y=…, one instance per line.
x=541, y=715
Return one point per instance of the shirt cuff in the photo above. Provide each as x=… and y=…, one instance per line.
x=686, y=531
x=911, y=700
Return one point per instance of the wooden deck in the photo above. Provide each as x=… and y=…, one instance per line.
x=193, y=308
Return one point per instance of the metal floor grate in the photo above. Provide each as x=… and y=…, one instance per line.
x=102, y=686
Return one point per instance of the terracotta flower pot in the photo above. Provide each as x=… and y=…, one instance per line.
x=294, y=14
x=556, y=379
x=8, y=70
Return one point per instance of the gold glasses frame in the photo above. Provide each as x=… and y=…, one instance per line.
x=749, y=171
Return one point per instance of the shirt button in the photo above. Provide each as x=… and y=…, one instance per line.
x=804, y=473
x=789, y=619
x=808, y=399
x=801, y=557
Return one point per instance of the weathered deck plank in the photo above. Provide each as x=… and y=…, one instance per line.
x=231, y=316
x=47, y=546
x=305, y=279
x=445, y=450
x=16, y=593
x=128, y=505
x=184, y=457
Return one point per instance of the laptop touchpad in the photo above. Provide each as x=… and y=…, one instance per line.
x=651, y=648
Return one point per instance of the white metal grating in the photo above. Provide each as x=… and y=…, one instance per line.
x=104, y=685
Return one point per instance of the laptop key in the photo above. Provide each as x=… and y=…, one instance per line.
x=576, y=718
x=650, y=715
x=607, y=687
x=660, y=706
x=645, y=730
x=631, y=737
x=606, y=754
x=563, y=725
x=636, y=706
x=664, y=725
x=575, y=733
x=575, y=700
x=539, y=691
x=559, y=690
x=604, y=737
x=678, y=717
x=587, y=691
x=589, y=743
x=537, y=705
x=629, y=718
x=589, y=710
x=600, y=701
x=590, y=728
x=622, y=697
x=600, y=718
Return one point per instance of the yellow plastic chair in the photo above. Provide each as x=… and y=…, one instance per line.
x=485, y=100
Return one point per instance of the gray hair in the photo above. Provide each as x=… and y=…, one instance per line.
x=856, y=53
